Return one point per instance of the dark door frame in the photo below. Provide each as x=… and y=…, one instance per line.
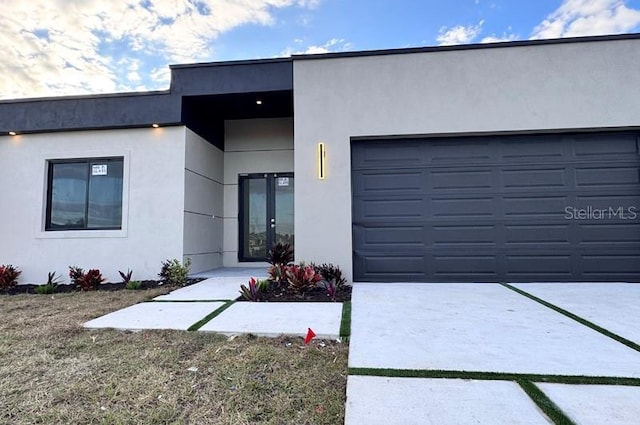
x=270, y=211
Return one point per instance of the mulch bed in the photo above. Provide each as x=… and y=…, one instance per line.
x=65, y=288
x=315, y=295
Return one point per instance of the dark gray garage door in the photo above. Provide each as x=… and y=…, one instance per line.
x=502, y=208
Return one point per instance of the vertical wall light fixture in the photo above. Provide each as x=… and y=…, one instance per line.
x=322, y=163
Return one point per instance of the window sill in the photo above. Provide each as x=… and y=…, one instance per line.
x=81, y=234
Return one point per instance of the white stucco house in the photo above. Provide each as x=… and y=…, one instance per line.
x=515, y=161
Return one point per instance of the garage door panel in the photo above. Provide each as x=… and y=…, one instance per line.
x=536, y=235
x=610, y=263
x=525, y=149
x=463, y=235
x=532, y=206
x=539, y=265
x=460, y=152
x=607, y=176
x=461, y=179
x=386, y=154
x=402, y=265
x=462, y=206
x=536, y=178
x=455, y=265
x=392, y=180
x=629, y=202
x=610, y=234
x=605, y=146
x=499, y=212
x=391, y=208
x=392, y=235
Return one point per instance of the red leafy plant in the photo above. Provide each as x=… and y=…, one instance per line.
x=277, y=274
x=89, y=281
x=251, y=292
x=332, y=278
x=301, y=278
x=255, y=289
x=9, y=276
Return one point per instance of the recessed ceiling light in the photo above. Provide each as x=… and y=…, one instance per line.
x=155, y=125
x=12, y=133
x=258, y=102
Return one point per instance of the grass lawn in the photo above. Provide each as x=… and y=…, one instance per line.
x=54, y=372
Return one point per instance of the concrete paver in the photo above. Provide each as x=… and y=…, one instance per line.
x=613, y=306
x=373, y=400
x=273, y=319
x=596, y=404
x=220, y=284
x=152, y=315
x=210, y=289
x=475, y=327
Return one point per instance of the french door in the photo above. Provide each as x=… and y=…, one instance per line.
x=265, y=213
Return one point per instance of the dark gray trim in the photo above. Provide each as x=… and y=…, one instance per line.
x=496, y=133
x=249, y=77
x=475, y=46
x=238, y=81
x=88, y=113
x=111, y=127
x=230, y=63
x=85, y=96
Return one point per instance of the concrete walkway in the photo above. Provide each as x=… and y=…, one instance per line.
x=205, y=302
x=441, y=331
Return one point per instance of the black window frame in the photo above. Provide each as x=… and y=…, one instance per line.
x=50, y=165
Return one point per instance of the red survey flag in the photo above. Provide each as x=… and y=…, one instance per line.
x=309, y=337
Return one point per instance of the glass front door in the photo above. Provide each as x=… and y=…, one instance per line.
x=266, y=213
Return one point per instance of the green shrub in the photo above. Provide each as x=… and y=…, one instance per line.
x=126, y=277
x=133, y=285
x=50, y=287
x=174, y=273
x=9, y=276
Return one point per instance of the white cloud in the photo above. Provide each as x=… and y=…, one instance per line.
x=459, y=34
x=499, y=38
x=53, y=47
x=333, y=45
x=588, y=17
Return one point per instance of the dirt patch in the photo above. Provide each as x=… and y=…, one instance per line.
x=53, y=371
x=108, y=286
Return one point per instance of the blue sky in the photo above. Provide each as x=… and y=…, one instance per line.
x=68, y=47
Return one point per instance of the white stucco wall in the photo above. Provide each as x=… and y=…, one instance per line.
x=251, y=146
x=203, y=203
x=152, y=228
x=529, y=88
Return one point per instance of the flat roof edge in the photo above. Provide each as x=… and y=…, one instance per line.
x=95, y=128
x=474, y=46
x=85, y=96
x=231, y=63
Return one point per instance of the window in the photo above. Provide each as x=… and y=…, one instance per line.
x=84, y=194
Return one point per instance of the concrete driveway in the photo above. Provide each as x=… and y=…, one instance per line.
x=492, y=354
